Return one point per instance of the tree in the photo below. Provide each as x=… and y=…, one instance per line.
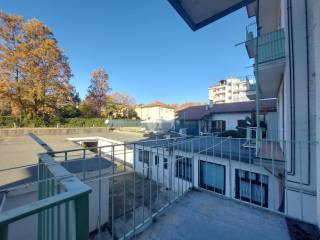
x=10, y=70
x=123, y=103
x=98, y=89
x=75, y=97
x=34, y=72
x=87, y=109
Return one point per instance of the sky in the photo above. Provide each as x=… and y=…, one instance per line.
x=148, y=51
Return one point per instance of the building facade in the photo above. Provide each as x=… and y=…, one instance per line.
x=218, y=118
x=229, y=90
x=226, y=168
x=286, y=54
x=155, y=112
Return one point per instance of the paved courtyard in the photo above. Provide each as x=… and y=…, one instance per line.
x=202, y=215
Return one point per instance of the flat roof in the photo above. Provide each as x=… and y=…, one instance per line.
x=20, y=151
x=212, y=146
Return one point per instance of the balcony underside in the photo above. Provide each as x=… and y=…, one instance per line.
x=270, y=77
x=251, y=95
x=199, y=13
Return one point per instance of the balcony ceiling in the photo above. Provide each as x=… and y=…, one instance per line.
x=269, y=12
x=269, y=15
x=270, y=77
x=199, y=13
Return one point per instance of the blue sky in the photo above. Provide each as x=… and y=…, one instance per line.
x=147, y=49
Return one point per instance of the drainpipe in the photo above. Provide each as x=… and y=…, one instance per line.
x=258, y=137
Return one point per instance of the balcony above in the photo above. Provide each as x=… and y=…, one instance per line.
x=251, y=92
x=269, y=53
x=271, y=46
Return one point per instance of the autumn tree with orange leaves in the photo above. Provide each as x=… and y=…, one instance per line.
x=34, y=71
x=97, y=91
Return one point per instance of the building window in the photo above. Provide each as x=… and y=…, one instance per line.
x=218, y=126
x=212, y=177
x=183, y=168
x=242, y=123
x=252, y=187
x=144, y=155
x=156, y=160
x=165, y=163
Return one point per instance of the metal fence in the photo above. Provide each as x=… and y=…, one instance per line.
x=118, y=123
x=134, y=194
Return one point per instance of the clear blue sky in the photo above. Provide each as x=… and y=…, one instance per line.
x=147, y=49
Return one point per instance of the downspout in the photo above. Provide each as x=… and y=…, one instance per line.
x=258, y=137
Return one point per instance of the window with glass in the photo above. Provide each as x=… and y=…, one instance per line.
x=156, y=160
x=144, y=155
x=212, y=177
x=183, y=168
x=252, y=187
x=218, y=126
x=165, y=163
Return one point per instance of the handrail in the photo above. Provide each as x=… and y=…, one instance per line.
x=73, y=190
x=29, y=209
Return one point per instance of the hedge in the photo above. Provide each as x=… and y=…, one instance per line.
x=10, y=122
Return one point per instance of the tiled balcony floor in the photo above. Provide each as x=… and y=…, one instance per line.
x=202, y=215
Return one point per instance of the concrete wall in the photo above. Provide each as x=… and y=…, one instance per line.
x=121, y=152
x=50, y=131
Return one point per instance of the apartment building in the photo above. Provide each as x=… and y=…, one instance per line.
x=229, y=90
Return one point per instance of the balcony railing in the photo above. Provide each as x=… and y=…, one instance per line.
x=271, y=46
x=133, y=182
x=62, y=206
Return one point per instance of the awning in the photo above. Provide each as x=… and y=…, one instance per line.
x=199, y=13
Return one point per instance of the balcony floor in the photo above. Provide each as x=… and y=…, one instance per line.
x=202, y=215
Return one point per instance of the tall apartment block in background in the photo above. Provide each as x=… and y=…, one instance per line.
x=229, y=90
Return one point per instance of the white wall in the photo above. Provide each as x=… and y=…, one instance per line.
x=314, y=10
x=121, y=152
x=167, y=176
x=272, y=125
x=155, y=113
x=157, y=172
x=298, y=105
x=231, y=119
